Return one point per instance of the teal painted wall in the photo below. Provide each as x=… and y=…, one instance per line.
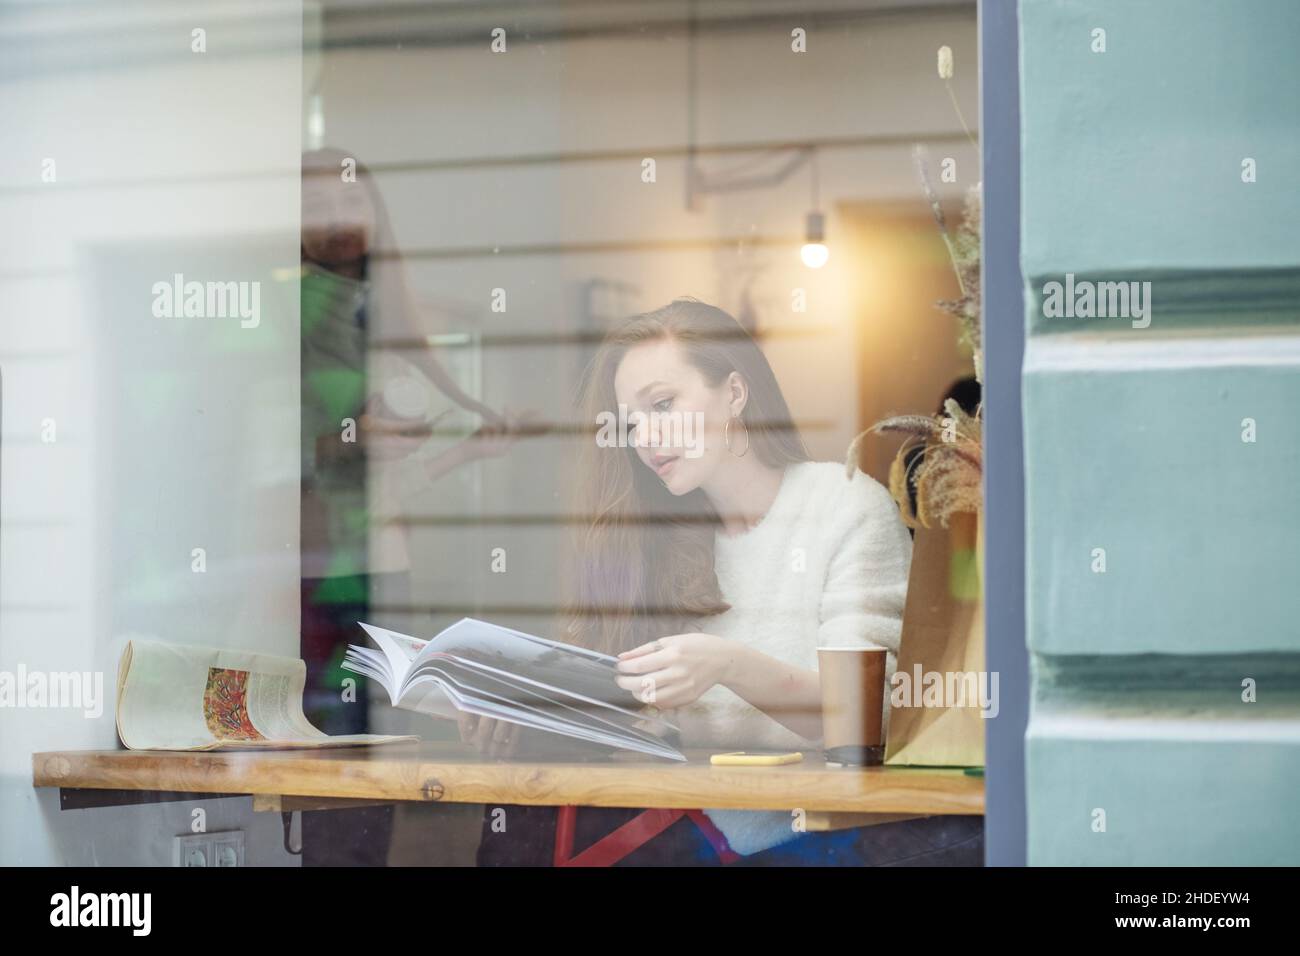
x=1135, y=154
x=1131, y=172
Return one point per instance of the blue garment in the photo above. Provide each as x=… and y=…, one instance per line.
x=529, y=840
x=928, y=841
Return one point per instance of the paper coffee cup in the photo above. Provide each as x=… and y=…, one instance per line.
x=853, y=703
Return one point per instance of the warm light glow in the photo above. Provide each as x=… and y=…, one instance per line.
x=814, y=254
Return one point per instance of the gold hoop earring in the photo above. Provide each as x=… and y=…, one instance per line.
x=726, y=436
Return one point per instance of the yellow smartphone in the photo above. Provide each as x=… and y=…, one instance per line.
x=740, y=758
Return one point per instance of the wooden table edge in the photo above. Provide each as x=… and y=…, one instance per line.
x=387, y=776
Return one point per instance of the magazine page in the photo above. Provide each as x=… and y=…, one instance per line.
x=176, y=697
x=575, y=671
x=528, y=708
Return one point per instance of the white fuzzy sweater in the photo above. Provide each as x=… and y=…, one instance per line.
x=826, y=566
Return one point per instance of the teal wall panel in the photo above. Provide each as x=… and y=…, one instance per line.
x=1206, y=800
x=1200, y=530
x=1132, y=157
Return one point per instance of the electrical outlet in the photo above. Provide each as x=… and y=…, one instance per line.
x=228, y=848
x=192, y=850
x=225, y=848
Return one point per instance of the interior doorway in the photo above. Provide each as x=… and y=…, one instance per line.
x=908, y=351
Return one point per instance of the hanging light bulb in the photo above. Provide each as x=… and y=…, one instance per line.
x=814, y=252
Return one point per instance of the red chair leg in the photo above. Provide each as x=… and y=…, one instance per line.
x=566, y=823
x=614, y=846
x=638, y=831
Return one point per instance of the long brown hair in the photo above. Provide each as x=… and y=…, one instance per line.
x=643, y=559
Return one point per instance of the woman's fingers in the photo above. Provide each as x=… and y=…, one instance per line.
x=647, y=663
x=667, y=695
x=488, y=735
x=663, y=688
x=483, y=733
x=649, y=688
x=491, y=416
x=466, y=723
x=501, y=735
x=386, y=439
x=641, y=651
x=651, y=677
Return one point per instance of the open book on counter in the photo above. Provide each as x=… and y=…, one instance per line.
x=179, y=697
x=481, y=668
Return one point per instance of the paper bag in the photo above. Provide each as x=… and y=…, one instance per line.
x=936, y=694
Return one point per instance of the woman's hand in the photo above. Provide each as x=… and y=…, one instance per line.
x=388, y=437
x=495, y=437
x=676, y=670
x=493, y=738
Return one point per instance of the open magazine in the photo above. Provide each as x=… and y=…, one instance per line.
x=178, y=697
x=493, y=671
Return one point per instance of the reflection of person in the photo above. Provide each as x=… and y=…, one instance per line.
x=365, y=411
x=716, y=569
